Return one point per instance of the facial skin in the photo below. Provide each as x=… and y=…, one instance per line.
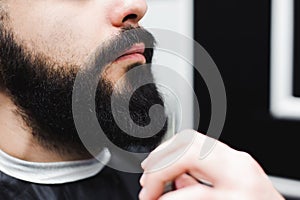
x=68, y=30
x=43, y=46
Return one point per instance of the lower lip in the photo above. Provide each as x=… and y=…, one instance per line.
x=137, y=57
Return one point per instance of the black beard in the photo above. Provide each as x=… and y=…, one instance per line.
x=43, y=95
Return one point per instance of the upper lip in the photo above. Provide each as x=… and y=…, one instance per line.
x=137, y=48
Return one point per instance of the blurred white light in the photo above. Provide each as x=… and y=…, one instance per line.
x=283, y=104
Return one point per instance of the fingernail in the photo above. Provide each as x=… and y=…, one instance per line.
x=143, y=194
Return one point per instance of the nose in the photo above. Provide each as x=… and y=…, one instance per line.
x=127, y=12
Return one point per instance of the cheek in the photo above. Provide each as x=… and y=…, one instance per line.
x=58, y=32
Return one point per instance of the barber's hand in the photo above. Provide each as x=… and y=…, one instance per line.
x=231, y=174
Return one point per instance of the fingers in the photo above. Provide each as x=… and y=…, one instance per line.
x=194, y=192
x=185, y=180
x=169, y=152
x=179, y=157
x=182, y=155
x=228, y=171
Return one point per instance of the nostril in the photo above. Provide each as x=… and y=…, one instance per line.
x=129, y=17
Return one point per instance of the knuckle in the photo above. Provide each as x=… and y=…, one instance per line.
x=246, y=158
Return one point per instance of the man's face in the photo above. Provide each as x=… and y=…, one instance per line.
x=43, y=44
x=67, y=31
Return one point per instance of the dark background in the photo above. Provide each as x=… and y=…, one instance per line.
x=237, y=36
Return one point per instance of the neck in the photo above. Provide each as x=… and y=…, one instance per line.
x=17, y=139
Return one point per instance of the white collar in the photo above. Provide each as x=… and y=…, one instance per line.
x=54, y=172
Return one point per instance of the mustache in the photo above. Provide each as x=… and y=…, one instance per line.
x=110, y=50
